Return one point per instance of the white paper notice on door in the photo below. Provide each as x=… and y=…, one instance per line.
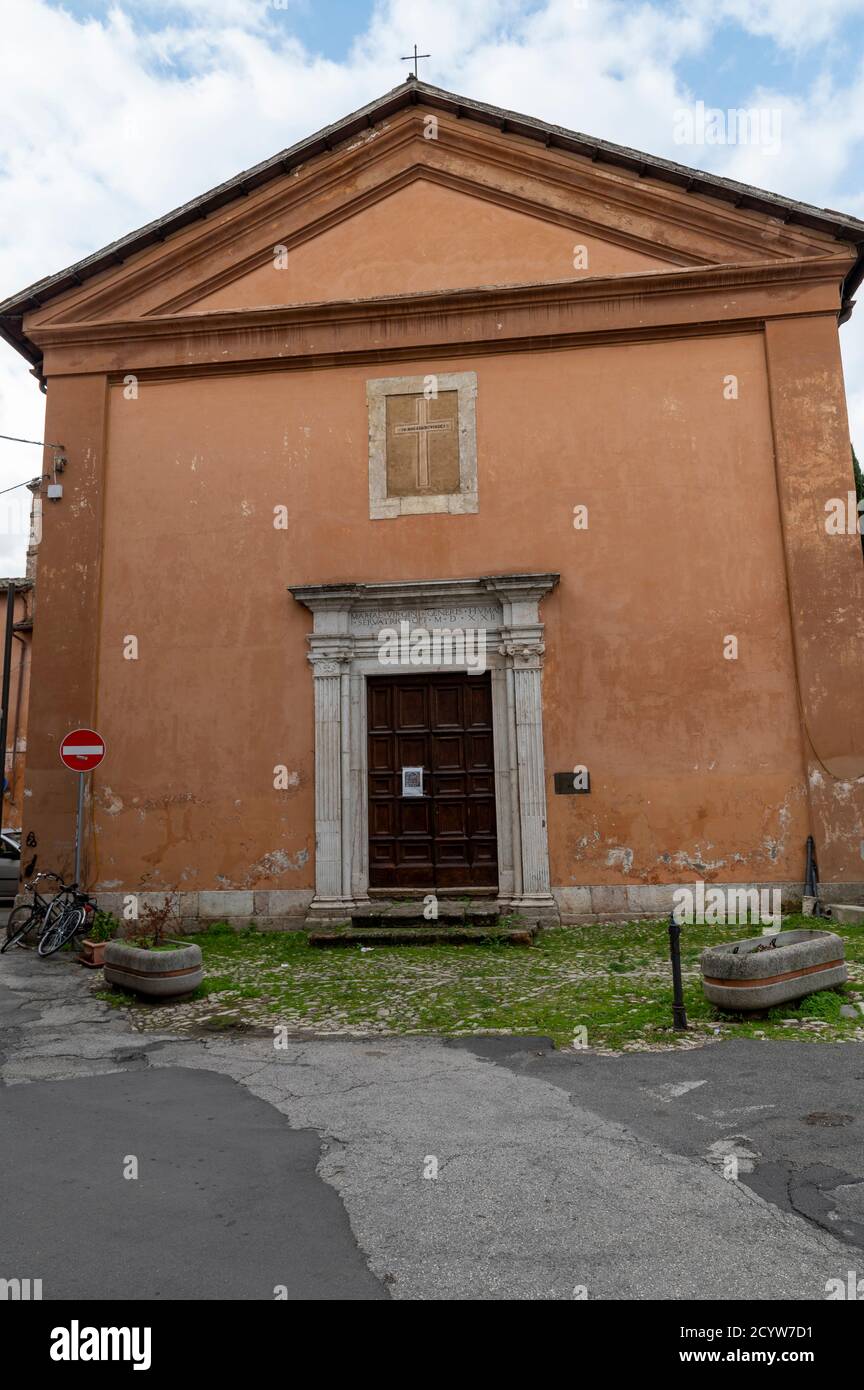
x=412, y=781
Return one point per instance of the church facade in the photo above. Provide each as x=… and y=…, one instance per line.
x=450, y=504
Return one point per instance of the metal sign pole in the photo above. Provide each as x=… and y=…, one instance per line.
x=679, y=1013
x=79, y=828
x=81, y=751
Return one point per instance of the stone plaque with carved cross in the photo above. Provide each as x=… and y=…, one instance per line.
x=422, y=444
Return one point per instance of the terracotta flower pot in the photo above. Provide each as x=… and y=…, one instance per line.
x=157, y=974
x=92, y=953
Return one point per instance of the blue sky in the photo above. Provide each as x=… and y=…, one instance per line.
x=113, y=112
x=328, y=28
x=735, y=64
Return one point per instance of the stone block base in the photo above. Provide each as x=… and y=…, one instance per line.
x=626, y=903
x=277, y=909
x=850, y=913
x=291, y=909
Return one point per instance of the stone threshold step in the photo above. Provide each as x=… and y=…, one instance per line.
x=423, y=936
x=413, y=917
x=413, y=912
x=418, y=894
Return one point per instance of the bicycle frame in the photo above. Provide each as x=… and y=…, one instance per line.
x=70, y=891
x=40, y=904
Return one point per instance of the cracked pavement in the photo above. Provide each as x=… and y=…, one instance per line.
x=301, y=1168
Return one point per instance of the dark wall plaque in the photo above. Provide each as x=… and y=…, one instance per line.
x=564, y=784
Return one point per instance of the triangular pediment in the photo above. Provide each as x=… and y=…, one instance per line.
x=420, y=238
x=391, y=211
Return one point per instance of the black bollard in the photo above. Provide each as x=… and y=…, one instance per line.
x=679, y=1013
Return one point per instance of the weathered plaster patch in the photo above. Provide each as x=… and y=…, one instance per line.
x=585, y=840
x=162, y=803
x=372, y=134
x=109, y=803
x=621, y=858
x=278, y=861
x=696, y=861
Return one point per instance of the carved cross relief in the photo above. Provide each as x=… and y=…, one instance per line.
x=422, y=444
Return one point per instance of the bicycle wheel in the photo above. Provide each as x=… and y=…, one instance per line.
x=21, y=920
x=56, y=934
x=52, y=913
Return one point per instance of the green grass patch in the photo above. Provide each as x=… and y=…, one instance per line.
x=613, y=981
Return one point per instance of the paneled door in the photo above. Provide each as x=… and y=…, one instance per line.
x=445, y=837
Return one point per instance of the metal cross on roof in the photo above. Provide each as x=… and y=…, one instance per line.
x=413, y=59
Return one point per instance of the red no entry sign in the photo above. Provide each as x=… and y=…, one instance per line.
x=82, y=750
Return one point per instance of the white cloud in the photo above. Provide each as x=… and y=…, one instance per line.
x=171, y=98
x=789, y=23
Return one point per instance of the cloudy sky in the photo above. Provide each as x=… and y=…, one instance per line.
x=115, y=111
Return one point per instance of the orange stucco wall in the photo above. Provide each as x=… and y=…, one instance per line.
x=164, y=612
x=696, y=760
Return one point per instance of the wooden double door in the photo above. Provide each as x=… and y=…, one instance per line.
x=445, y=838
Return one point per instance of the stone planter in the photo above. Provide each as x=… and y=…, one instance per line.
x=740, y=976
x=158, y=974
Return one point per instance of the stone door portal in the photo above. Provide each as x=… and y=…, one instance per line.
x=475, y=740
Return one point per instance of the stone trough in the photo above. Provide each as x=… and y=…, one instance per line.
x=764, y=971
x=162, y=974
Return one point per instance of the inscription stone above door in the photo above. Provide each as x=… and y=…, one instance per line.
x=422, y=444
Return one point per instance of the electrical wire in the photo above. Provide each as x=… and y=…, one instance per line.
x=24, y=484
x=42, y=443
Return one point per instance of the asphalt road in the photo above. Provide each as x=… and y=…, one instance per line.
x=790, y=1113
x=414, y=1168
x=225, y=1202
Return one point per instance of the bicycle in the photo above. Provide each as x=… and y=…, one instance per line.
x=26, y=916
x=62, y=924
x=57, y=918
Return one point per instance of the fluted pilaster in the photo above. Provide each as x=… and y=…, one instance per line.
x=524, y=651
x=329, y=670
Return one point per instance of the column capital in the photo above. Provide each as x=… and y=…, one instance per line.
x=524, y=646
x=328, y=657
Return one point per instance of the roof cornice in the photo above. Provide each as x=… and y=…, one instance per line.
x=493, y=318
